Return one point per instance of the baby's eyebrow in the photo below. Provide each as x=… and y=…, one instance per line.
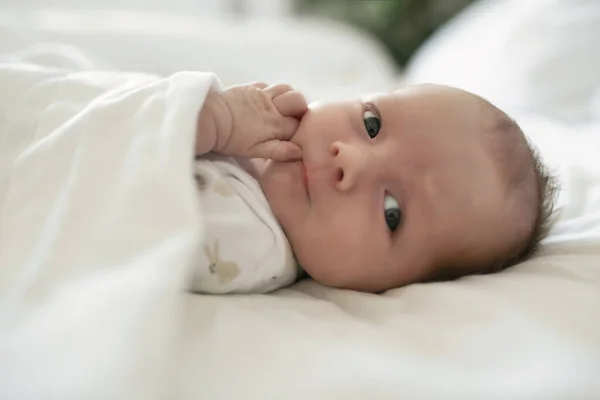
x=356, y=118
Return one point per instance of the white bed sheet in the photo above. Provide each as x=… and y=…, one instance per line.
x=530, y=332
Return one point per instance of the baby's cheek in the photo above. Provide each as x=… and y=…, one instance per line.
x=330, y=262
x=322, y=270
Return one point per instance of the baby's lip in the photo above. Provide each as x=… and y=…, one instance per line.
x=305, y=178
x=305, y=175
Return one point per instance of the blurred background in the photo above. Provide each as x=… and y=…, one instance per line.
x=329, y=48
x=525, y=56
x=401, y=25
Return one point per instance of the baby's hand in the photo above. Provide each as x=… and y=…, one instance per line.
x=256, y=121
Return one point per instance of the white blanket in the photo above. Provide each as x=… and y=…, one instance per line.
x=98, y=204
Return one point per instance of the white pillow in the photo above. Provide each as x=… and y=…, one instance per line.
x=538, y=55
x=324, y=59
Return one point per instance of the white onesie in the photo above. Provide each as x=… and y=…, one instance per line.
x=245, y=249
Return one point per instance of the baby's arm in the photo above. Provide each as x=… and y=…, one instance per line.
x=213, y=118
x=252, y=121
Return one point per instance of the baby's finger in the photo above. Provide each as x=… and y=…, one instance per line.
x=259, y=85
x=291, y=104
x=278, y=90
x=279, y=150
x=289, y=126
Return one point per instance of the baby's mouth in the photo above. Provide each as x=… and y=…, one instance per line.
x=304, y=175
x=305, y=179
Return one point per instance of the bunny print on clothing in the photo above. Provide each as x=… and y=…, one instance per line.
x=244, y=249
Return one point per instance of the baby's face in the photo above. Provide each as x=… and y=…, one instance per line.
x=389, y=185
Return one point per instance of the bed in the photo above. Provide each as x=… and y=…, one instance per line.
x=532, y=331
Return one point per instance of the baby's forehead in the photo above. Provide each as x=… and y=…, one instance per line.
x=430, y=92
x=502, y=136
x=508, y=146
x=473, y=116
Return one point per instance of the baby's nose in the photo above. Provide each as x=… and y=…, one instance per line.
x=348, y=165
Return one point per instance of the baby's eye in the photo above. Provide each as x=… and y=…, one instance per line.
x=392, y=211
x=372, y=123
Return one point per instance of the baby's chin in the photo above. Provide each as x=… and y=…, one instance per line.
x=343, y=272
x=329, y=268
x=337, y=278
x=282, y=184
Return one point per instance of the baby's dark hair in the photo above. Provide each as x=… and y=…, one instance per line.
x=531, y=180
x=544, y=196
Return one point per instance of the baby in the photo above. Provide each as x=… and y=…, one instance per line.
x=420, y=184
x=423, y=183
